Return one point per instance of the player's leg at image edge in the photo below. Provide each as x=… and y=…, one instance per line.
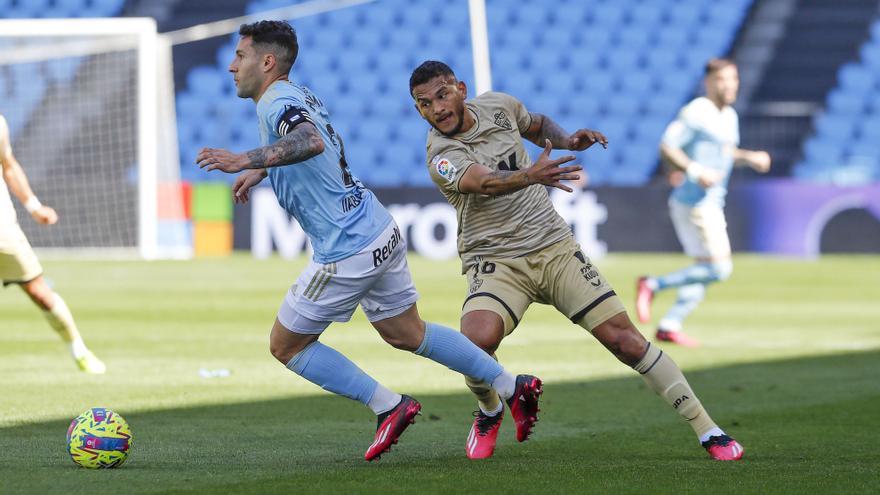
x=665, y=378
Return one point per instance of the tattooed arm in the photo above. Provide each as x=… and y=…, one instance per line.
x=300, y=144
x=479, y=179
x=543, y=128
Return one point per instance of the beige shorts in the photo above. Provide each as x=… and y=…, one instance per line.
x=18, y=263
x=560, y=275
x=702, y=230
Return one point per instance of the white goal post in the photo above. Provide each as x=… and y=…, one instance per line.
x=91, y=112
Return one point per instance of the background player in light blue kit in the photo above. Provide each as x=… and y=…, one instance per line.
x=359, y=253
x=703, y=142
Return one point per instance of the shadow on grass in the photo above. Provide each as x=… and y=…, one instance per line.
x=807, y=424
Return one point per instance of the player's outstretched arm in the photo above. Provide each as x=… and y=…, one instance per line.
x=479, y=179
x=17, y=182
x=759, y=161
x=543, y=128
x=300, y=144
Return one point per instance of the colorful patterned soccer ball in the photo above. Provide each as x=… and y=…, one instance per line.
x=98, y=438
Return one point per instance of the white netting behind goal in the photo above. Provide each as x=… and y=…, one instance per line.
x=81, y=102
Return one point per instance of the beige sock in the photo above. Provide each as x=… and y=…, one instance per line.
x=486, y=395
x=61, y=320
x=664, y=377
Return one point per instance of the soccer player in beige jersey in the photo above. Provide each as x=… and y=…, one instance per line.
x=516, y=250
x=19, y=264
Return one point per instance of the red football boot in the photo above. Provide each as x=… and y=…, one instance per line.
x=391, y=425
x=644, y=297
x=524, y=405
x=723, y=448
x=484, y=432
x=679, y=338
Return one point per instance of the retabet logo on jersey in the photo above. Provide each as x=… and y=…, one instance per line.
x=679, y=401
x=382, y=254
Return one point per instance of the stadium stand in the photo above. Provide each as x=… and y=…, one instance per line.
x=845, y=145
x=621, y=66
x=26, y=83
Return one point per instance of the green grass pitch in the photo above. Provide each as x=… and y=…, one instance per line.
x=790, y=366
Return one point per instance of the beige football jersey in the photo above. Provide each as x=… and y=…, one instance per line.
x=7, y=211
x=494, y=226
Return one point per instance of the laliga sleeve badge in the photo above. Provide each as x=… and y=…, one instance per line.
x=445, y=168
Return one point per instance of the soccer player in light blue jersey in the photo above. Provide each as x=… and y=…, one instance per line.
x=359, y=252
x=703, y=142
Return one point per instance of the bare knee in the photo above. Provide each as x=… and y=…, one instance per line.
x=39, y=292
x=284, y=344
x=484, y=328
x=621, y=337
x=405, y=331
x=404, y=341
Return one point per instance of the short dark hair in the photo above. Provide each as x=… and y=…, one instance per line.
x=716, y=64
x=280, y=35
x=427, y=71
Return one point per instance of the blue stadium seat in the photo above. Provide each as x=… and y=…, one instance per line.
x=673, y=39
x=561, y=84
x=680, y=16
x=822, y=152
x=835, y=127
x=584, y=106
x=866, y=151
x=631, y=39
x=598, y=83
x=372, y=133
x=547, y=63
x=622, y=60
x=634, y=57
x=584, y=61
x=382, y=19
x=620, y=105
x=523, y=83
x=596, y=37
x=507, y=60
x=856, y=78
x=206, y=80
x=365, y=40
x=649, y=131
x=661, y=60
x=646, y=14
x=870, y=55
x=842, y=102
x=874, y=104
x=637, y=83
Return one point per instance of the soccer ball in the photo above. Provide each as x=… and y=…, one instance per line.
x=98, y=438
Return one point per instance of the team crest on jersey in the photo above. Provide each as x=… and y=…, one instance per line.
x=502, y=121
x=445, y=168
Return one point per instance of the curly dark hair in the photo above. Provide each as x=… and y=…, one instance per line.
x=427, y=71
x=277, y=36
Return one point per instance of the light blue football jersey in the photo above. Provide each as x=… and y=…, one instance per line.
x=340, y=216
x=707, y=135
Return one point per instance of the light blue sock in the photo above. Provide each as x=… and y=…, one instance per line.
x=689, y=297
x=455, y=351
x=332, y=371
x=698, y=273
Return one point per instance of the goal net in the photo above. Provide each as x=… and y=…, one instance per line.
x=90, y=112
